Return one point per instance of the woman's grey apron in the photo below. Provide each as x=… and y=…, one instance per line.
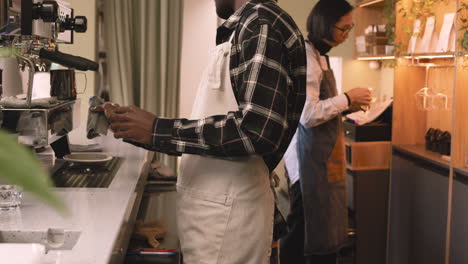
x=321, y=154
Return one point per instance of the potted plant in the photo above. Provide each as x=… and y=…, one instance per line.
x=18, y=166
x=463, y=24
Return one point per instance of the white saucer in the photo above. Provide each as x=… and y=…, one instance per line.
x=87, y=157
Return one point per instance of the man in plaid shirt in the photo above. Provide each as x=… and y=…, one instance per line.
x=267, y=70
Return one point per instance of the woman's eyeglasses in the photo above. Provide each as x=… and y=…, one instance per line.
x=346, y=29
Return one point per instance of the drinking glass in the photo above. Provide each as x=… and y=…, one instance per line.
x=440, y=101
x=10, y=197
x=424, y=98
x=366, y=108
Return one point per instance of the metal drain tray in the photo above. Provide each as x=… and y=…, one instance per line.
x=68, y=174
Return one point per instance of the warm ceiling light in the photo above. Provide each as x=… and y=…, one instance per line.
x=376, y=58
x=435, y=56
x=370, y=3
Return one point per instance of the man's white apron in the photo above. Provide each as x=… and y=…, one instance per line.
x=224, y=207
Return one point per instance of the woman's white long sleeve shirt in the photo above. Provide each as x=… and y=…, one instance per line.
x=316, y=111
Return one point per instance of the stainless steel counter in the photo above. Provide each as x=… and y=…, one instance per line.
x=101, y=215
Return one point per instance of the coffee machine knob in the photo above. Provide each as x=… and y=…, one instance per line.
x=78, y=24
x=47, y=11
x=81, y=24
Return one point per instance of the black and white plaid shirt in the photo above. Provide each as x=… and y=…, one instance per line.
x=268, y=75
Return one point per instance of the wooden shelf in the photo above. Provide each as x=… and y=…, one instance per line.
x=372, y=3
x=421, y=152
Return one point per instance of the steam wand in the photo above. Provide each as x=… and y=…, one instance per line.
x=31, y=72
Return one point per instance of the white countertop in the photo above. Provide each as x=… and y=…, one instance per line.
x=97, y=212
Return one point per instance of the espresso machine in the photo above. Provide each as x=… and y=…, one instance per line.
x=40, y=112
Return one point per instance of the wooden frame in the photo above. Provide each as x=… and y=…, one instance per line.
x=369, y=155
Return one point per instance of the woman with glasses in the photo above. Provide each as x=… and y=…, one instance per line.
x=315, y=159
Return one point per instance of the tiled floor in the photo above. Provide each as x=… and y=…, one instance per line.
x=346, y=260
x=346, y=257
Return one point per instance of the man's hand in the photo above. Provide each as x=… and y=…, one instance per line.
x=131, y=123
x=108, y=108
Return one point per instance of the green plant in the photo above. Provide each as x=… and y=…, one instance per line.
x=390, y=16
x=463, y=25
x=19, y=166
x=419, y=9
x=422, y=8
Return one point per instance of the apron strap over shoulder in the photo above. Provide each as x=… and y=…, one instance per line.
x=217, y=68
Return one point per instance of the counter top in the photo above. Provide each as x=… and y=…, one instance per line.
x=420, y=152
x=97, y=212
x=461, y=175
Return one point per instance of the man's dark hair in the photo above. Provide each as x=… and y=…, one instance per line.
x=323, y=17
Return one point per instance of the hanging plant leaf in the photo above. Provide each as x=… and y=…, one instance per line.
x=465, y=40
x=19, y=166
x=5, y=52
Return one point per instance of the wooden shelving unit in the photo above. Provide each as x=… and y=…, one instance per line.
x=369, y=12
x=460, y=137
x=410, y=124
x=460, y=109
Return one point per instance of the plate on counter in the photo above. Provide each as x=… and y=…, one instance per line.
x=87, y=158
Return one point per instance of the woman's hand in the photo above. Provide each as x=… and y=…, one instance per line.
x=360, y=96
x=355, y=108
